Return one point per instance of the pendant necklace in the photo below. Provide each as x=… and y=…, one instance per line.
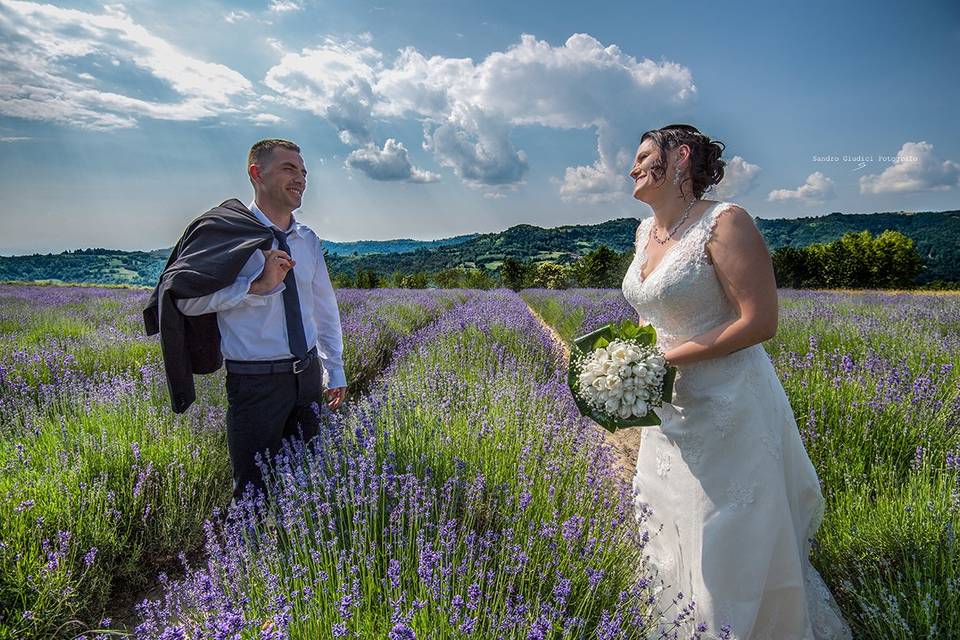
x=683, y=218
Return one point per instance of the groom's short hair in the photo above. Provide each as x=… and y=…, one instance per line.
x=260, y=152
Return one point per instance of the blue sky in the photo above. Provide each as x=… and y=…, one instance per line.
x=121, y=122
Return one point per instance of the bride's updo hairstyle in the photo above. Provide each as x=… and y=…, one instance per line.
x=705, y=166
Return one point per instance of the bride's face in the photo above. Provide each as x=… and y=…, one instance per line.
x=643, y=178
x=644, y=165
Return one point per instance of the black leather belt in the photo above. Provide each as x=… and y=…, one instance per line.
x=261, y=367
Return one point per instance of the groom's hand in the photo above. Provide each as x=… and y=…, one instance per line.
x=275, y=267
x=335, y=396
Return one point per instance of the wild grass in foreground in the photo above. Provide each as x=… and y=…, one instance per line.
x=101, y=483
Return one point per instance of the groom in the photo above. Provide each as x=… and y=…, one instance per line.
x=249, y=284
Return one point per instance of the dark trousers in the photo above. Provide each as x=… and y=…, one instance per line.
x=262, y=410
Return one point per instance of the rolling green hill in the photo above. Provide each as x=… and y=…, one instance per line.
x=936, y=234
x=363, y=247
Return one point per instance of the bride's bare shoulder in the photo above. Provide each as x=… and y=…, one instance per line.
x=733, y=229
x=730, y=217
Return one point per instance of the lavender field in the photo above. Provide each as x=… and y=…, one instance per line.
x=459, y=494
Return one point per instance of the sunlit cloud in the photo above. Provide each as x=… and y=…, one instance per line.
x=815, y=189
x=914, y=168
x=45, y=46
x=739, y=177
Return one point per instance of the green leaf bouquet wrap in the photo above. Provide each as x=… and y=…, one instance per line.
x=617, y=375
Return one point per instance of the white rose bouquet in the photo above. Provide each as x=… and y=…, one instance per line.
x=618, y=375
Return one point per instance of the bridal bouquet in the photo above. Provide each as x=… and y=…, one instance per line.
x=618, y=375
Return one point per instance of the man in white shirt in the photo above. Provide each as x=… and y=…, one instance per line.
x=279, y=322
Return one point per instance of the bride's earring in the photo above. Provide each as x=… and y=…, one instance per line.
x=677, y=177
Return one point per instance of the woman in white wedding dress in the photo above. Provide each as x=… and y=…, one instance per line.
x=729, y=494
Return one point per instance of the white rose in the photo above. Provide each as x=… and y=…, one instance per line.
x=629, y=397
x=625, y=411
x=619, y=355
x=639, y=408
x=612, y=406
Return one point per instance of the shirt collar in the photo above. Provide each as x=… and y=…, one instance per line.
x=294, y=228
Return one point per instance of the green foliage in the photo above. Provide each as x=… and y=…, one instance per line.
x=515, y=274
x=598, y=269
x=550, y=275
x=367, y=279
x=479, y=279
x=417, y=280
x=854, y=261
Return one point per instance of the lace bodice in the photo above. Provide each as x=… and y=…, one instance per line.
x=682, y=297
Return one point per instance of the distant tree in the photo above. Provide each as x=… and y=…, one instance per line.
x=856, y=260
x=791, y=267
x=342, y=281
x=452, y=278
x=897, y=263
x=514, y=274
x=396, y=280
x=417, y=280
x=599, y=268
x=479, y=279
x=367, y=279
x=550, y=275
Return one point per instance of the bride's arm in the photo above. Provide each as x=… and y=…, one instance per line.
x=742, y=262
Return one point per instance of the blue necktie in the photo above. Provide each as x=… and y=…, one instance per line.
x=291, y=305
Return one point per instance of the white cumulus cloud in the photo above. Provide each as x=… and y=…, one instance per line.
x=43, y=44
x=596, y=183
x=816, y=188
x=580, y=84
x=477, y=147
x=392, y=162
x=333, y=81
x=738, y=178
x=470, y=108
x=914, y=168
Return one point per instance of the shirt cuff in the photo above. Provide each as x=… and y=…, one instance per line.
x=260, y=299
x=334, y=378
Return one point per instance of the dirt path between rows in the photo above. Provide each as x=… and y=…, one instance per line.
x=625, y=443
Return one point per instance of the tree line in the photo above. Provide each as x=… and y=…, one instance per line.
x=857, y=260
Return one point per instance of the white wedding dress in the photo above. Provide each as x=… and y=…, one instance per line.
x=731, y=496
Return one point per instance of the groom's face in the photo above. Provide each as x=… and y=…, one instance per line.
x=283, y=179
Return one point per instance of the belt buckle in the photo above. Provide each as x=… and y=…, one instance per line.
x=296, y=365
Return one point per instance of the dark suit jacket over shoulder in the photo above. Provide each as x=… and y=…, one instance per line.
x=208, y=257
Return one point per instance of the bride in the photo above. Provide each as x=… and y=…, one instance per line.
x=728, y=492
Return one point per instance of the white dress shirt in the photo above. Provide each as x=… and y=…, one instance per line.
x=253, y=327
